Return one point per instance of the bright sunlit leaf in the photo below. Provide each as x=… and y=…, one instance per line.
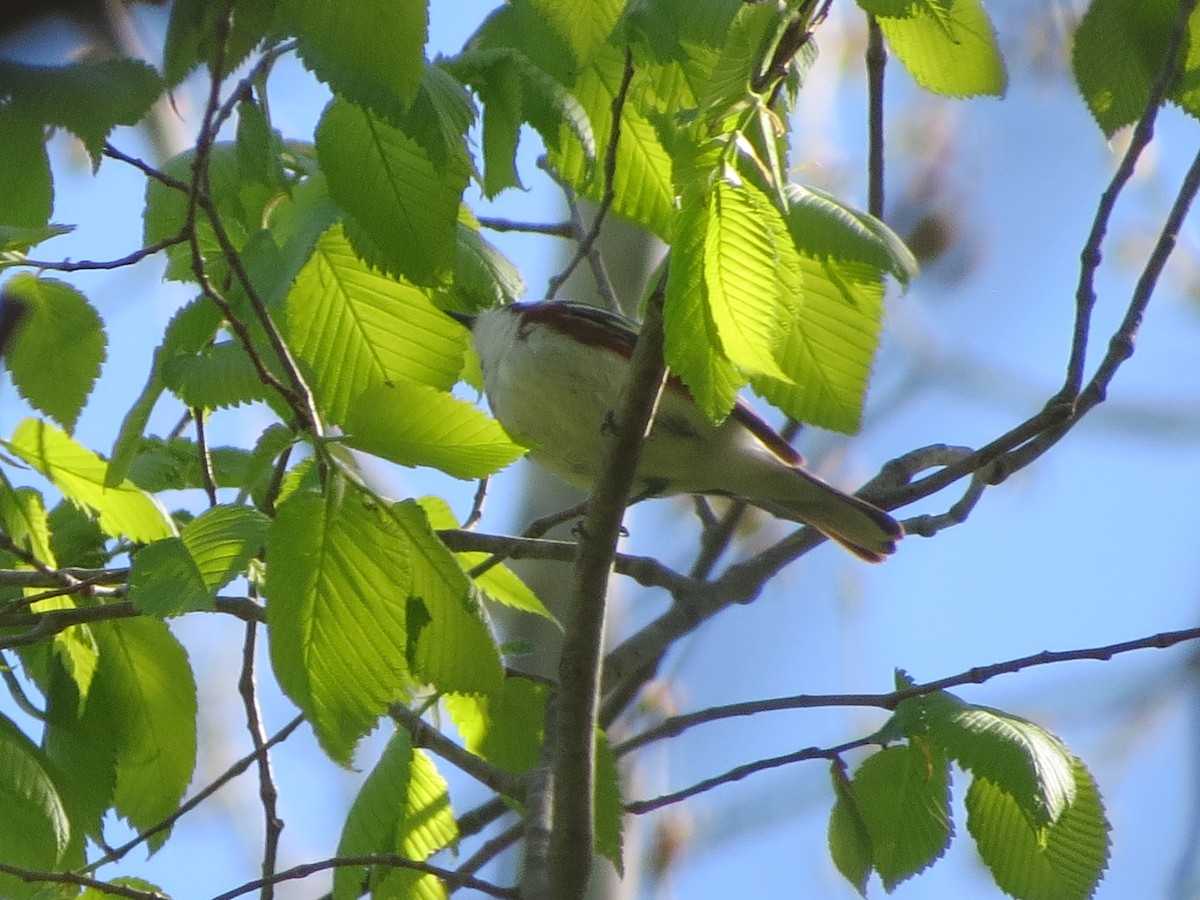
x=123, y=511
x=417, y=425
x=338, y=578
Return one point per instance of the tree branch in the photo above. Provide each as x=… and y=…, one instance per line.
x=677, y=725
x=876, y=65
x=116, y=890
x=645, y=570
x=425, y=735
x=42, y=625
x=579, y=666
x=1090, y=258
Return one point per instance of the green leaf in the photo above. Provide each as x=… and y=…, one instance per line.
x=14, y=241
x=823, y=226
x=241, y=206
x=34, y=830
x=89, y=99
x=505, y=727
x=515, y=90
x=338, y=573
x=222, y=541
x=402, y=807
x=123, y=511
x=642, y=189
x=903, y=796
x=404, y=205
x=164, y=580
x=137, y=884
x=371, y=53
x=75, y=538
x=259, y=148
x=59, y=325
x=145, y=696
x=1186, y=89
x=483, y=276
x=1118, y=51
x=827, y=350
x=583, y=24
x=499, y=582
x=1021, y=758
x=25, y=522
x=175, y=465
x=417, y=425
x=849, y=840
x=740, y=57
x=743, y=257
x=193, y=27
x=1062, y=861
x=216, y=377
x=450, y=645
x=81, y=744
x=609, y=809
x=948, y=46
x=356, y=328
x=26, y=189
x=691, y=346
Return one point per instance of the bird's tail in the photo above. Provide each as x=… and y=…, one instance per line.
x=861, y=527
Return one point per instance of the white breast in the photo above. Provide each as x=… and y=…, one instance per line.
x=548, y=391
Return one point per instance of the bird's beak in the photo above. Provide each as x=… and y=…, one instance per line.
x=465, y=319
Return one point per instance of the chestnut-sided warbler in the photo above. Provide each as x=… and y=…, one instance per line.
x=553, y=374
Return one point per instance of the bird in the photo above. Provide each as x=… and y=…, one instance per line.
x=553, y=373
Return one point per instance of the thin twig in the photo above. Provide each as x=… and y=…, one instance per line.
x=45, y=624
x=17, y=690
x=480, y=817
x=876, y=66
x=116, y=890
x=610, y=171
x=206, y=465
x=555, y=229
x=146, y=169
x=640, y=807
x=184, y=808
x=1090, y=258
x=535, y=529
x=676, y=725
x=268, y=793
x=645, y=570
x=487, y=851
x=271, y=494
x=579, y=231
x=85, y=265
x=379, y=859
x=1060, y=412
x=1120, y=345
x=78, y=578
x=476, y=513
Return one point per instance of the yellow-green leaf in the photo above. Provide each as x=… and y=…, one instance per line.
x=417, y=425
x=357, y=328
x=338, y=578
x=123, y=511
